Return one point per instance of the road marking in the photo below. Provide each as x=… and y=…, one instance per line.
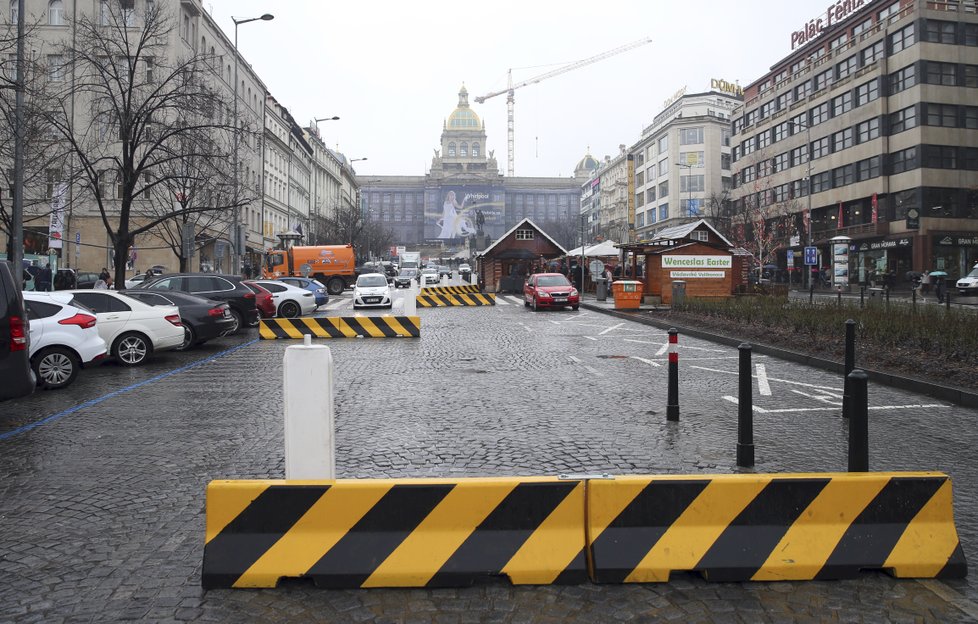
x=762, y=385
x=646, y=342
x=612, y=328
x=591, y=338
x=663, y=349
x=526, y=327
x=338, y=303
x=735, y=401
x=574, y=359
x=823, y=399
x=787, y=381
x=105, y=397
x=950, y=596
x=647, y=361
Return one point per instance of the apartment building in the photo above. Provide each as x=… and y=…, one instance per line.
x=868, y=130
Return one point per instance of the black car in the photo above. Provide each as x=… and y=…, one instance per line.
x=15, y=339
x=70, y=279
x=405, y=277
x=226, y=288
x=203, y=319
x=444, y=270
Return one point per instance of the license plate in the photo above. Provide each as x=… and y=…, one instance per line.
x=371, y=299
x=560, y=299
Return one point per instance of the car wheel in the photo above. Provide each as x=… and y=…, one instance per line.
x=55, y=367
x=335, y=286
x=131, y=349
x=289, y=309
x=189, y=336
x=238, y=322
x=526, y=304
x=575, y=308
x=536, y=307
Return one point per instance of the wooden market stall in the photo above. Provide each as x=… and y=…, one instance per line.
x=523, y=250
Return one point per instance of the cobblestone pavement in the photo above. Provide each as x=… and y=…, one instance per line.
x=102, y=505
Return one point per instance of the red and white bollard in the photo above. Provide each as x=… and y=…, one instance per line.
x=672, y=402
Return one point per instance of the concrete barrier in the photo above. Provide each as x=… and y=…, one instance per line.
x=450, y=290
x=426, y=300
x=394, y=533
x=341, y=327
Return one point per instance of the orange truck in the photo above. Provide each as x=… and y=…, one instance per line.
x=331, y=265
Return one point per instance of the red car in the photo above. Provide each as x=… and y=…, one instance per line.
x=263, y=300
x=550, y=290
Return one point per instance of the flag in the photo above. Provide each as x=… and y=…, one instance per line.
x=839, y=224
x=56, y=227
x=875, y=209
x=806, y=220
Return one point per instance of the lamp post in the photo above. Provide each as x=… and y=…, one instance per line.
x=333, y=118
x=689, y=186
x=237, y=235
x=808, y=175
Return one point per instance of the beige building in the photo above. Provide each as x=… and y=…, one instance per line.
x=869, y=130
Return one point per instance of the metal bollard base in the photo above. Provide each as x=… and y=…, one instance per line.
x=745, y=455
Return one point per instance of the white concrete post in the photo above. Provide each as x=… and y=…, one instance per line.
x=411, y=302
x=444, y=280
x=474, y=278
x=310, y=444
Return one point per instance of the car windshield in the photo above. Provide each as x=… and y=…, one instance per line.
x=371, y=281
x=408, y=272
x=974, y=272
x=552, y=280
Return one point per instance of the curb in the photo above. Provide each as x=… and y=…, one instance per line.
x=958, y=396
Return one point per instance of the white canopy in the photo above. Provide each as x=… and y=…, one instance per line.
x=574, y=252
x=603, y=249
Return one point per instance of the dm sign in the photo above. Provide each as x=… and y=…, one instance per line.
x=697, y=262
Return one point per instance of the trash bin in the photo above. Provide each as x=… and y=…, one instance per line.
x=678, y=292
x=601, y=284
x=628, y=294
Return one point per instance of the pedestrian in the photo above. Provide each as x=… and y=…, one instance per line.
x=925, y=282
x=44, y=279
x=940, y=289
x=104, y=275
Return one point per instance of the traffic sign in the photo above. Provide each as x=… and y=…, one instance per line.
x=811, y=256
x=791, y=258
x=77, y=238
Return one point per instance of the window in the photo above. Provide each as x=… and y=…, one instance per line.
x=821, y=182
x=747, y=175
x=781, y=131
x=866, y=93
x=650, y=172
x=940, y=156
x=663, y=212
x=651, y=215
x=524, y=234
x=56, y=67
x=104, y=15
x=799, y=156
x=764, y=168
x=799, y=188
x=782, y=162
x=941, y=73
x=664, y=189
x=863, y=27
x=945, y=115
x=868, y=130
x=940, y=32
x=53, y=177
x=650, y=195
x=640, y=219
x=842, y=140
x=970, y=76
x=56, y=13
x=784, y=100
x=768, y=109
x=690, y=136
x=888, y=11
x=694, y=159
x=451, y=149
x=868, y=169
x=763, y=139
x=798, y=123
x=750, y=118
x=663, y=144
x=902, y=79
x=463, y=149
x=725, y=137
x=846, y=67
x=691, y=184
x=663, y=166
x=13, y=12
x=842, y=176
x=903, y=160
x=747, y=147
x=823, y=79
x=820, y=113
x=475, y=150
x=725, y=160
x=873, y=53
x=820, y=147
x=902, y=39
x=803, y=90
x=839, y=41
x=970, y=34
x=842, y=104
x=970, y=117
x=640, y=178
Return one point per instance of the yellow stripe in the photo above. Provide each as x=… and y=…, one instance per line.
x=313, y=326
x=695, y=531
x=606, y=501
x=929, y=540
x=552, y=546
x=316, y=532
x=372, y=326
x=423, y=301
x=265, y=332
x=289, y=327
x=344, y=327
x=439, y=535
x=807, y=544
x=225, y=502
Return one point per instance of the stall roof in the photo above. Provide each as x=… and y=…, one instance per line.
x=682, y=231
x=519, y=225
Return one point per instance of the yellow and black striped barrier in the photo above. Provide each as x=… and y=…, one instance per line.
x=770, y=527
x=437, y=300
x=451, y=290
x=341, y=327
x=394, y=533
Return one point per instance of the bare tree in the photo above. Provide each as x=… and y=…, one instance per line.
x=566, y=232
x=147, y=109
x=719, y=212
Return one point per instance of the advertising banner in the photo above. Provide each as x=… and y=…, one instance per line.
x=464, y=211
x=56, y=228
x=697, y=262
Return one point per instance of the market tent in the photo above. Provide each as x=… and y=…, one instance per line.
x=574, y=252
x=602, y=250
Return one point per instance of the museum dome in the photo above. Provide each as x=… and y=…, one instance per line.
x=463, y=117
x=586, y=166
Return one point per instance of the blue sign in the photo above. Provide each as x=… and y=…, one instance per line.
x=811, y=256
x=77, y=237
x=791, y=258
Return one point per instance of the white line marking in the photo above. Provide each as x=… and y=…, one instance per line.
x=655, y=364
x=950, y=596
x=663, y=349
x=736, y=401
x=574, y=359
x=794, y=383
x=555, y=322
x=591, y=338
x=593, y=371
x=823, y=399
x=339, y=303
x=526, y=327
x=645, y=342
x=762, y=385
x=612, y=328
x=836, y=408
x=512, y=298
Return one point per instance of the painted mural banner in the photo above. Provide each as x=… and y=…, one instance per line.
x=465, y=211
x=697, y=262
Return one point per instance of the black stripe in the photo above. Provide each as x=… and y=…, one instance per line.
x=300, y=327
x=256, y=529
x=408, y=323
x=870, y=538
x=445, y=300
x=494, y=542
x=956, y=566
x=356, y=326
x=630, y=536
x=371, y=540
x=575, y=573
x=385, y=327
x=273, y=324
x=329, y=328
x=748, y=541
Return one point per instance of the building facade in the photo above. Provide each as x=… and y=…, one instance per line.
x=868, y=130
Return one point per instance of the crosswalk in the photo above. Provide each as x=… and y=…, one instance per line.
x=345, y=303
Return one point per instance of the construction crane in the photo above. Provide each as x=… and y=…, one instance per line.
x=510, y=88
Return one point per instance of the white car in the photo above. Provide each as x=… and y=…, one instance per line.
x=64, y=338
x=372, y=291
x=968, y=285
x=290, y=301
x=135, y=280
x=132, y=329
x=429, y=277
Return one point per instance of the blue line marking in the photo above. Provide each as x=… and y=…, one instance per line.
x=72, y=410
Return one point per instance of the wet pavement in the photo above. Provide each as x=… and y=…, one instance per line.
x=102, y=484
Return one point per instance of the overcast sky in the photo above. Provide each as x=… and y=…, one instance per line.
x=392, y=70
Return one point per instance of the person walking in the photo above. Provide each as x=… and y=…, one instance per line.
x=44, y=279
x=925, y=282
x=940, y=289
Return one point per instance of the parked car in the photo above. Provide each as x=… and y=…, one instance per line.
x=64, y=338
x=202, y=319
x=136, y=280
x=70, y=279
x=316, y=288
x=263, y=300
x=372, y=291
x=15, y=339
x=465, y=272
x=429, y=277
x=550, y=290
x=405, y=277
x=968, y=285
x=132, y=329
x=226, y=288
x=290, y=301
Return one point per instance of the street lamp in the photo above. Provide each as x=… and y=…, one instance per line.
x=237, y=234
x=355, y=160
x=689, y=187
x=808, y=161
x=333, y=118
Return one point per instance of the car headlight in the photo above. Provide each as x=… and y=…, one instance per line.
x=573, y=292
x=543, y=294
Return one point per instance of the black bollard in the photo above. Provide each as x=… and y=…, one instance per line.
x=947, y=300
x=811, y=293
x=672, y=401
x=850, y=364
x=745, y=410
x=859, y=422
x=913, y=293
x=838, y=300
x=862, y=296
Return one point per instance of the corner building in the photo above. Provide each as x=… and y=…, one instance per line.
x=869, y=129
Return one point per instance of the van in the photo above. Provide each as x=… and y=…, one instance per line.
x=15, y=339
x=332, y=265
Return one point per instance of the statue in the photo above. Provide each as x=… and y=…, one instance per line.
x=437, y=154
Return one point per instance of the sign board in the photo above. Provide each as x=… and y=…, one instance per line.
x=811, y=256
x=77, y=238
x=790, y=257
x=597, y=267
x=696, y=274
x=306, y=269
x=913, y=219
x=697, y=262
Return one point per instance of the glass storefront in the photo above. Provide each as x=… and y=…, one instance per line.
x=882, y=262
x=955, y=254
